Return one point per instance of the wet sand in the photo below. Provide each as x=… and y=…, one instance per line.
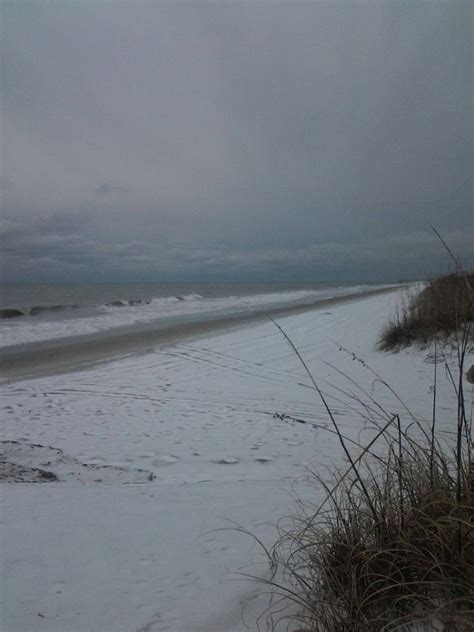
x=61, y=355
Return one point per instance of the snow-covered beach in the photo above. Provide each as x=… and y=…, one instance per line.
x=160, y=455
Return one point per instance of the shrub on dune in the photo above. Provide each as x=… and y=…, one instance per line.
x=441, y=308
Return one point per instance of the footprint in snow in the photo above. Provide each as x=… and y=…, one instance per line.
x=263, y=459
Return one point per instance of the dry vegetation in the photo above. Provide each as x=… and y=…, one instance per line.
x=394, y=556
x=441, y=308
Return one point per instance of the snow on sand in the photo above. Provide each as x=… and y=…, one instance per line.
x=108, y=548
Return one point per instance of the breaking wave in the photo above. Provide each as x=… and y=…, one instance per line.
x=34, y=310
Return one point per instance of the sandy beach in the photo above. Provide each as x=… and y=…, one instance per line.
x=158, y=456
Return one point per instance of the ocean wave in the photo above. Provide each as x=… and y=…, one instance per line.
x=189, y=297
x=11, y=313
x=134, y=302
x=128, y=303
x=36, y=310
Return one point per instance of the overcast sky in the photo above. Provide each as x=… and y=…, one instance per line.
x=256, y=140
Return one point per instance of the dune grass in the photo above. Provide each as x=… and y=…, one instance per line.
x=401, y=556
x=445, y=305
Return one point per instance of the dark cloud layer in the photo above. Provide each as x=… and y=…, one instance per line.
x=243, y=140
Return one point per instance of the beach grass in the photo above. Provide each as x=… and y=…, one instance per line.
x=441, y=308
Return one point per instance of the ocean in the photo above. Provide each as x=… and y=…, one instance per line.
x=38, y=312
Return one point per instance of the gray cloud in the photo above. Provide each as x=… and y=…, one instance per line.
x=110, y=189
x=44, y=248
x=235, y=140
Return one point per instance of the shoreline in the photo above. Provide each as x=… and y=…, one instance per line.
x=50, y=357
